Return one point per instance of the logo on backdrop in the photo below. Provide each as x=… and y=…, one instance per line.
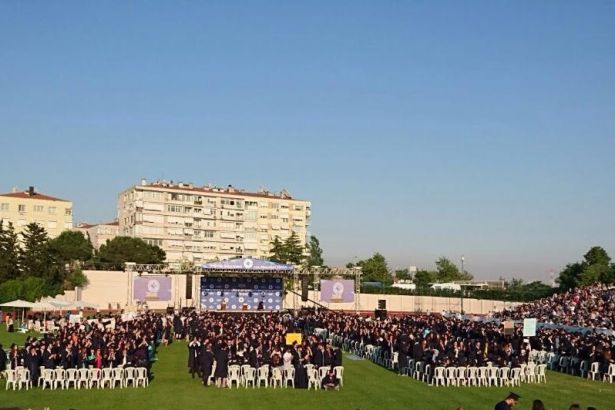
x=152, y=288
x=337, y=291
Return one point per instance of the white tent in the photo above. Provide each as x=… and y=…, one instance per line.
x=82, y=304
x=24, y=304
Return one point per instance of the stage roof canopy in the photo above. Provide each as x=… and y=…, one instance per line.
x=247, y=265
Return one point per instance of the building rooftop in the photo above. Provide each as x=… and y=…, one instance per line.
x=31, y=194
x=84, y=225
x=229, y=190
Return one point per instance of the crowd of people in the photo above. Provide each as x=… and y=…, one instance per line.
x=255, y=340
x=96, y=343
x=590, y=307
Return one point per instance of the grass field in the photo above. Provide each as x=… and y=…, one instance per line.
x=366, y=386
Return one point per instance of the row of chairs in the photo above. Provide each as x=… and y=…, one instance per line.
x=572, y=365
x=77, y=378
x=247, y=375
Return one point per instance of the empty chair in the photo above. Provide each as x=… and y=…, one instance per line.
x=263, y=375
x=210, y=378
x=610, y=374
x=313, y=380
x=94, y=378
x=249, y=376
x=107, y=377
x=564, y=362
x=46, y=378
x=339, y=374
x=530, y=373
x=594, y=371
x=118, y=377
x=141, y=377
x=522, y=368
x=541, y=374
x=276, y=377
x=130, y=376
x=83, y=378
x=289, y=376
x=493, y=376
x=438, y=378
x=515, y=376
x=418, y=370
x=552, y=360
x=471, y=376
x=573, y=365
x=59, y=376
x=71, y=377
x=394, y=361
x=23, y=378
x=461, y=376
x=244, y=368
x=11, y=379
x=410, y=367
x=451, y=376
x=583, y=368
x=482, y=376
x=234, y=375
x=504, y=376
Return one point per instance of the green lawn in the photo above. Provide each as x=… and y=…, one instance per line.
x=366, y=386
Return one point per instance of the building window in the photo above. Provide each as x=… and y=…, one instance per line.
x=52, y=210
x=68, y=211
x=174, y=208
x=208, y=234
x=21, y=208
x=4, y=206
x=38, y=208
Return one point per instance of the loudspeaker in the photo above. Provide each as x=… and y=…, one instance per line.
x=304, y=288
x=382, y=304
x=188, y=286
x=380, y=313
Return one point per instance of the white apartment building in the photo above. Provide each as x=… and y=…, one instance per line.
x=23, y=207
x=99, y=234
x=200, y=224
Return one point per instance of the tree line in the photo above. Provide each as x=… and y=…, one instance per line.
x=35, y=265
x=596, y=267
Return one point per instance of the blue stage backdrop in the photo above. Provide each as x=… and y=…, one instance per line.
x=241, y=294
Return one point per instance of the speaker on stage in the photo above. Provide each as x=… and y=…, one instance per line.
x=382, y=304
x=304, y=288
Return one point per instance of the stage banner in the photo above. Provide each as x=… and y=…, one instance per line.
x=337, y=291
x=529, y=327
x=152, y=288
x=242, y=293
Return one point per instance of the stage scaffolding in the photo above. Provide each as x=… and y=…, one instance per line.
x=298, y=272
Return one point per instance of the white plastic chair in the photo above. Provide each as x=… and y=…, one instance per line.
x=46, y=378
x=234, y=375
x=522, y=373
x=11, y=379
x=107, y=377
x=504, y=376
x=23, y=378
x=583, y=368
x=249, y=376
x=59, y=376
x=130, y=376
x=118, y=377
x=141, y=377
x=515, y=376
x=83, y=378
x=322, y=373
x=418, y=370
x=276, y=377
x=451, y=376
x=339, y=373
x=594, y=371
x=493, y=376
x=483, y=376
x=289, y=376
x=610, y=373
x=263, y=375
x=94, y=378
x=462, y=376
x=541, y=374
x=244, y=369
x=438, y=377
x=71, y=377
x=471, y=376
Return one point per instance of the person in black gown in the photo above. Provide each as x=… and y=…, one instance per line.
x=221, y=356
x=206, y=359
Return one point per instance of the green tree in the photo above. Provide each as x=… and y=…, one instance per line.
x=9, y=252
x=75, y=278
x=403, y=274
x=315, y=252
x=278, y=251
x=122, y=249
x=71, y=246
x=35, y=258
x=375, y=269
x=448, y=271
x=294, y=250
x=422, y=278
x=570, y=276
x=597, y=256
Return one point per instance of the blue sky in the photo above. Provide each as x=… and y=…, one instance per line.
x=418, y=129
